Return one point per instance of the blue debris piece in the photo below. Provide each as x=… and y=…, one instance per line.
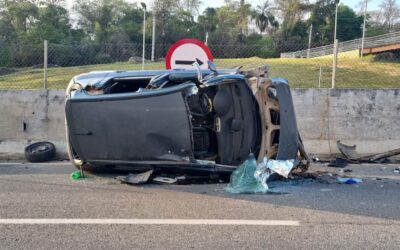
x=351, y=180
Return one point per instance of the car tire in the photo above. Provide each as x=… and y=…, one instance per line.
x=40, y=152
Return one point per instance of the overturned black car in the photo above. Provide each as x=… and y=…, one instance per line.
x=180, y=119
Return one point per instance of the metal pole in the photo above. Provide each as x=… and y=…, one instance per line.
x=309, y=42
x=153, y=40
x=144, y=37
x=45, y=64
x=363, y=35
x=320, y=76
x=334, y=66
x=336, y=11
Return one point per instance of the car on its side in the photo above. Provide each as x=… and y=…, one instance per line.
x=197, y=119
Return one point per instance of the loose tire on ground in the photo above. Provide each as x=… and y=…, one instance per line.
x=40, y=152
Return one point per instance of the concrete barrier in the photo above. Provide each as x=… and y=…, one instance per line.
x=368, y=118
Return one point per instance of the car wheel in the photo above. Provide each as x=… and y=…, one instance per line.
x=40, y=152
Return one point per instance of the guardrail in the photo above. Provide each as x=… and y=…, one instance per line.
x=369, y=42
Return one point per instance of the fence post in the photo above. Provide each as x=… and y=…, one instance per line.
x=334, y=66
x=309, y=42
x=45, y=64
x=320, y=76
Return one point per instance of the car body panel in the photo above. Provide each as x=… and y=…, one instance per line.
x=105, y=127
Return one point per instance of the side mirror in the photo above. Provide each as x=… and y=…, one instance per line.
x=212, y=66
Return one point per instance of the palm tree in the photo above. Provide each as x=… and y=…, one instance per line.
x=264, y=17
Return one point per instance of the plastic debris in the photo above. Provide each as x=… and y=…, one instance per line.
x=135, y=178
x=351, y=180
x=281, y=167
x=165, y=180
x=77, y=175
x=338, y=163
x=245, y=179
x=315, y=159
x=252, y=178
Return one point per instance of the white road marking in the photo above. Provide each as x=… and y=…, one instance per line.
x=48, y=221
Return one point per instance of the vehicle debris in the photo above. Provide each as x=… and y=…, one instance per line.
x=245, y=179
x=345, y=170
x=77, y=175
x=283, y=168
x=139, y=178
x=349, y=180
x=165, y=180
x=338, y=163
x=350, y=153
x=251, y=177
x=40, y=152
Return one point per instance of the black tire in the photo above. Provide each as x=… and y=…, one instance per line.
x=40, y=152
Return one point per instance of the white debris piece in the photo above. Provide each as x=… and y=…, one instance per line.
x=281, y=167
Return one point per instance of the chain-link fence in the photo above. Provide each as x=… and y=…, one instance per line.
x=375, y=66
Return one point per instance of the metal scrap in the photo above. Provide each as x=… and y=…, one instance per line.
x=135, y=178
x=350, y=153
x=338, y=163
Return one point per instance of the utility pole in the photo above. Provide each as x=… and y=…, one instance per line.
x=309, y=41
x=153, y=40
x=144, y=32
x=363, y=35
x=336, y=12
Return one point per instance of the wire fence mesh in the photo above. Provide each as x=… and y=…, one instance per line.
x=377, y=66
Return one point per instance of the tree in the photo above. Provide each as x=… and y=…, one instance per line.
x=52, y=24
x=17, y=17
x=99, y=18
x=349, y=24
x=243, y=14
x=323, y=21
x=291, y=11
x=264, y=17
x=208, y=20
x=191, y=6
x=390, y=13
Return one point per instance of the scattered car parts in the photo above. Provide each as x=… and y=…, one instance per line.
x=40, y=152
x=351, y=154
x=139, y=178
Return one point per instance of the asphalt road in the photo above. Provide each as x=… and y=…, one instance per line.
x=316, y=214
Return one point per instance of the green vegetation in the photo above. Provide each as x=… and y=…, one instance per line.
x=353, y=72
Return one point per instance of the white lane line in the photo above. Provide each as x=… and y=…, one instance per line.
x=150, y=222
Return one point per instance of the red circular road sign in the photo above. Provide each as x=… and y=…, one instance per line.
x=185, y=52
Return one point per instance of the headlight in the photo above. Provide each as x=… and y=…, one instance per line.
x=72, y=86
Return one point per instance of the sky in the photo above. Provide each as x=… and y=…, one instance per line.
x=373, y=4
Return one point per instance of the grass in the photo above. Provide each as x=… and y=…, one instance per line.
x=353, y=72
